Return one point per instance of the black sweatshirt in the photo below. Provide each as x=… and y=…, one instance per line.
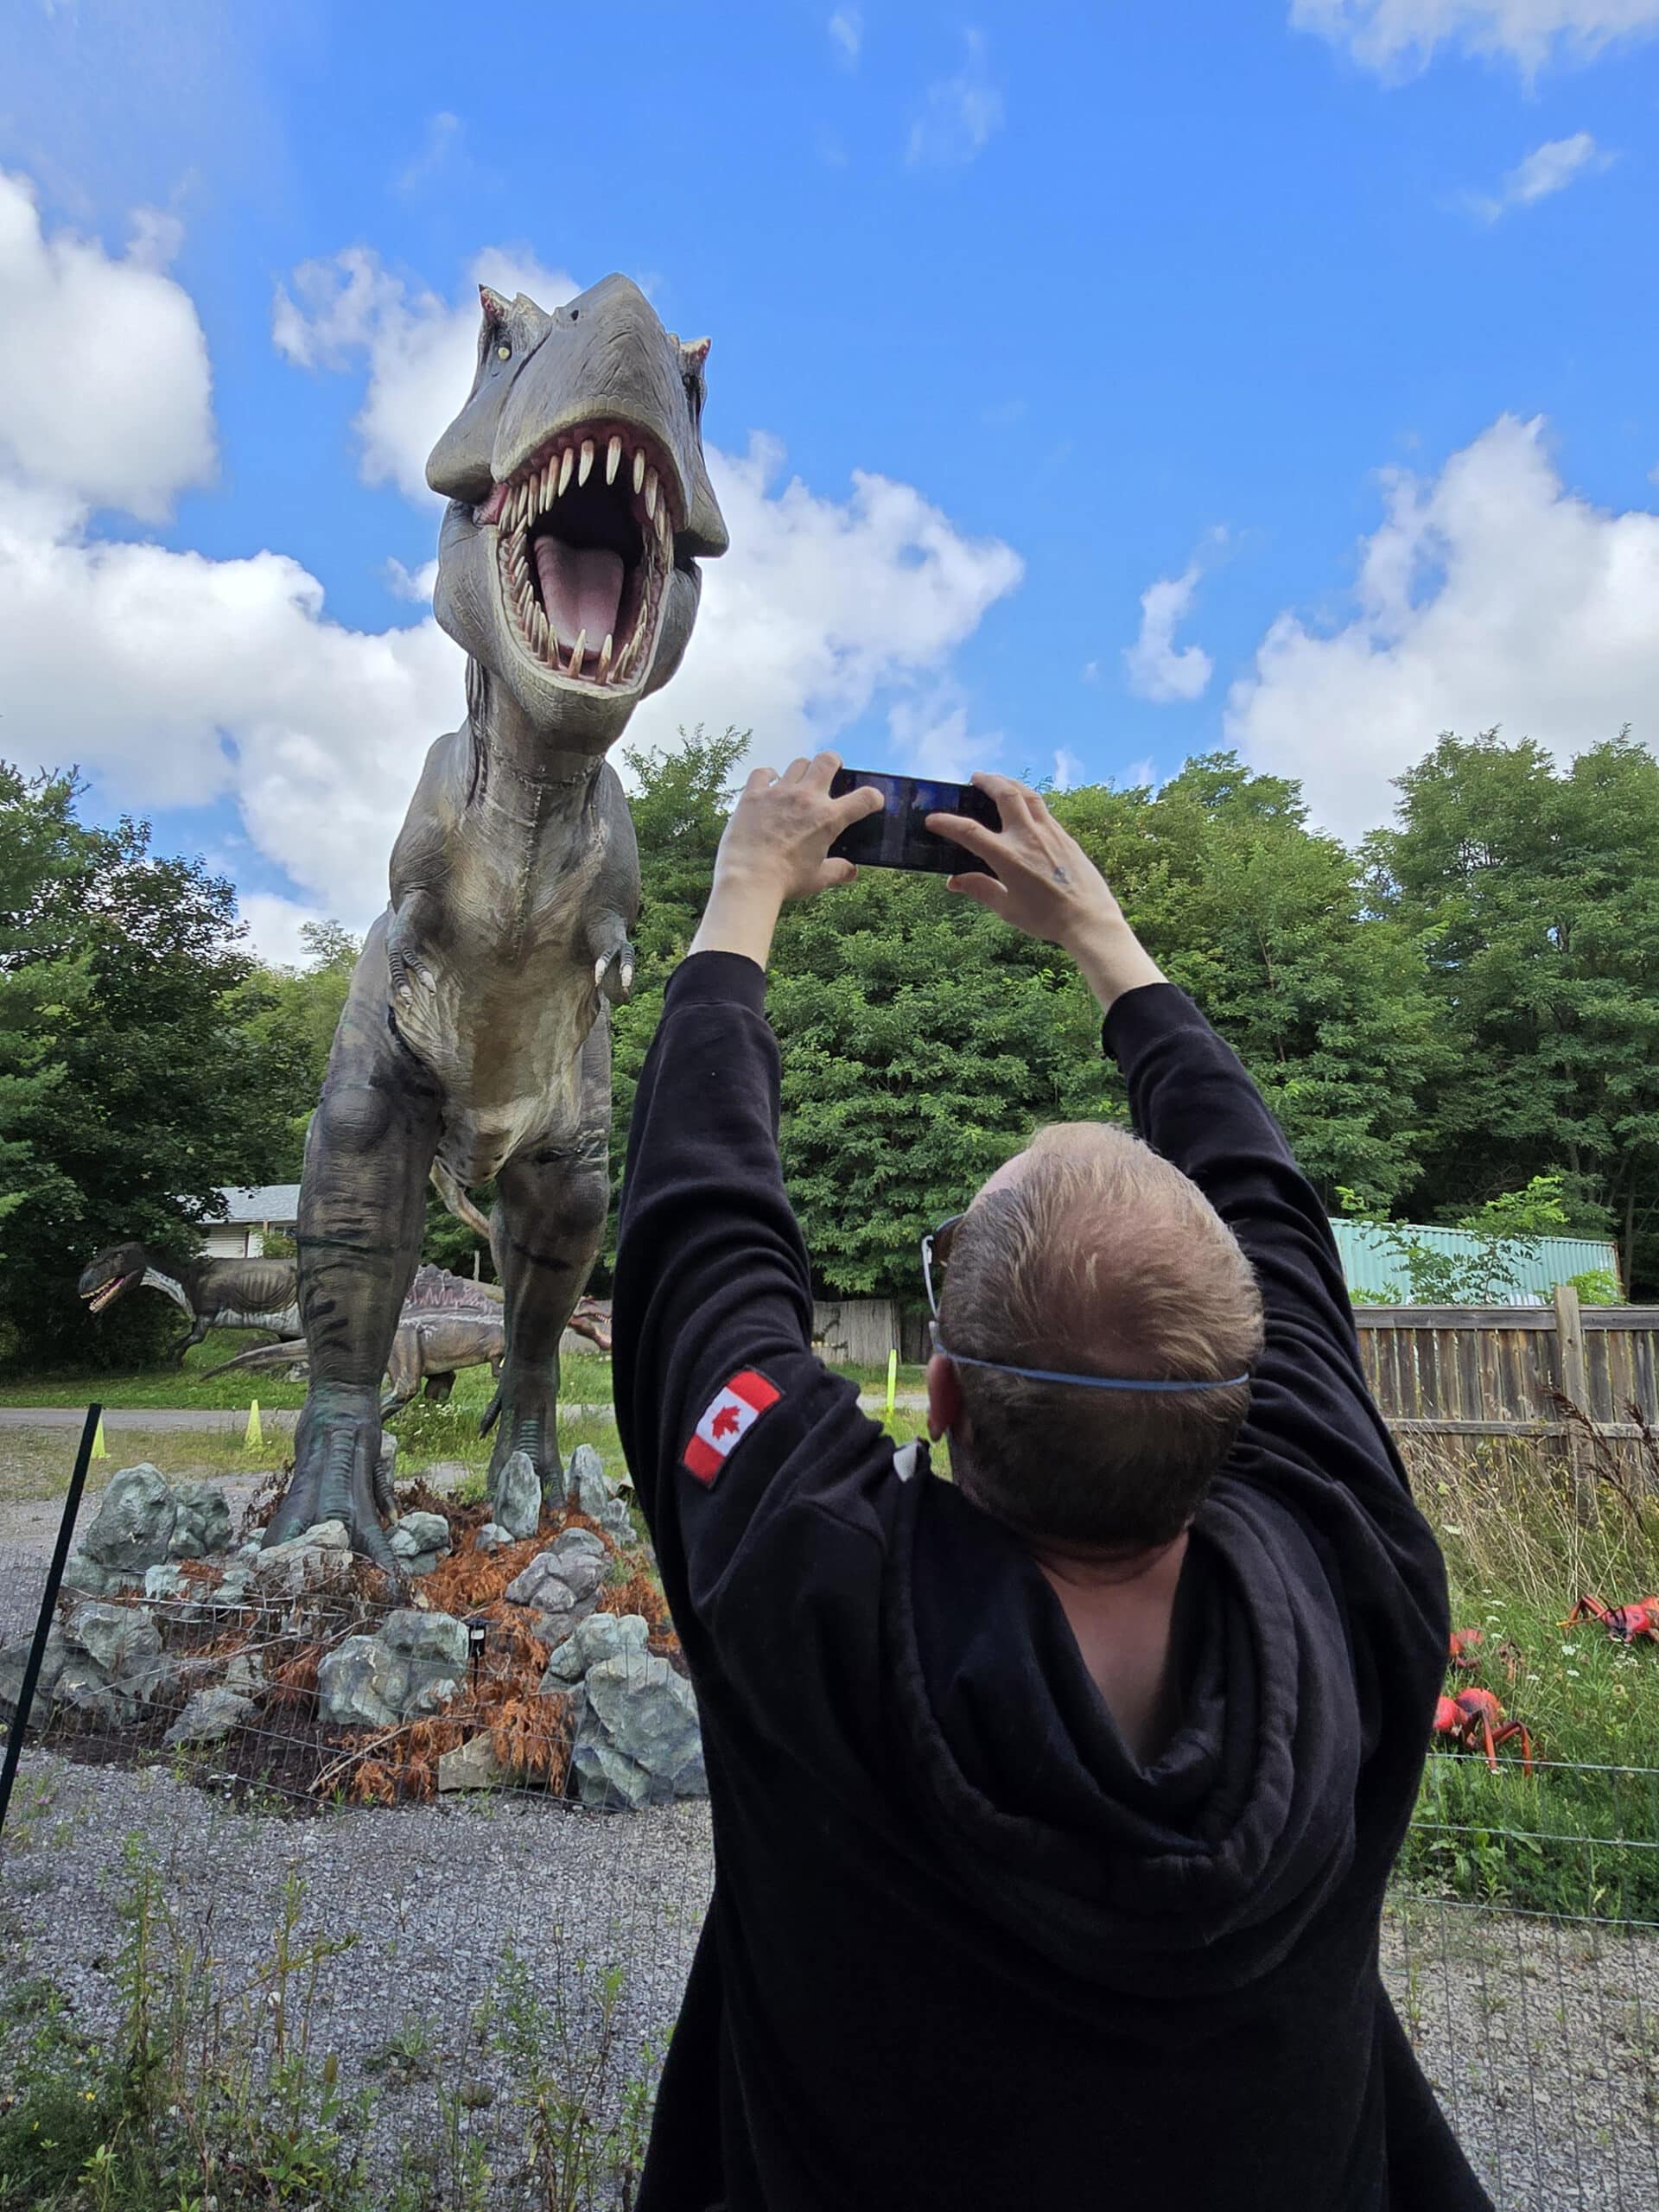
x=963, y=1951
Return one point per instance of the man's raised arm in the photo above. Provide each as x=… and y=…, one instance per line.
x=1193, y=1102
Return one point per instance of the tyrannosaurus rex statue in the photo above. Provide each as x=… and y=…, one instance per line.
x=475, y=1042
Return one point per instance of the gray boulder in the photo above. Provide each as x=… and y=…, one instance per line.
x=202, y=1524
x=113, y=1664
x=419, y=1541
x=117, y=1639
x=492, y=1537
x=87, y=1576
x=133, y=1526
x=163, y=1581
x=601, y=1636
x=516, y=1497
x=209, y=1716
x=587, y=1485
x=413, y=1667
x=561, y=1585
x=638, y=1742
x=472, y=1766
x=14, y=1659
x=319, y=1559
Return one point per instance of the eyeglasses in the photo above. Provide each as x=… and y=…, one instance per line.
x=935, y=1246
x=935, y=1251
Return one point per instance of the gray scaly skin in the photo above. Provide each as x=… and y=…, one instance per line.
x=475, y=1042
x=212, y=1293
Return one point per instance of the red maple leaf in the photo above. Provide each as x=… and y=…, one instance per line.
x=725, y=1423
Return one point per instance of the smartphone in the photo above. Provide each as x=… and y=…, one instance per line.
x=896, y=836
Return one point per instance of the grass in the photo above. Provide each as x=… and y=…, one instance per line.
x=1580, y=1836
x=586, y=1380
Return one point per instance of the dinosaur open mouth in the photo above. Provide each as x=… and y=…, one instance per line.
x=585, y=543
x=97, y=1300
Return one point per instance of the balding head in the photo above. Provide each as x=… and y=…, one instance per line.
x=1090, y=1255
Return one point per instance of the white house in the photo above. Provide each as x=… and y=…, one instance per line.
x=265, y=1209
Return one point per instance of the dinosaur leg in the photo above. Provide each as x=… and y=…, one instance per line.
x=362, y=1213
x=545, y=1231
x=438, y=1388
x=198, y=1331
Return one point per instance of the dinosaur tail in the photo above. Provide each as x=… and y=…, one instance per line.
x=458, y=1202
x=276, y=1355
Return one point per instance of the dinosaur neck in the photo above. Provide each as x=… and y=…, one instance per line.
x=173, y=1282
x=508, y=748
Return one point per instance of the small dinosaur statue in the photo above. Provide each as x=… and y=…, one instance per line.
x=475, y=1040
x=447, y=1324
x=212, y=1293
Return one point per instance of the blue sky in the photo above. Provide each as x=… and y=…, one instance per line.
x=1129, y=381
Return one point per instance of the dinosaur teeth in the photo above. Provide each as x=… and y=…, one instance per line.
x=565, y=465
x=638, y=466
x=576, y=652
x=605, y=658
x=585, y=469
x=651, y=492
x=613, y=457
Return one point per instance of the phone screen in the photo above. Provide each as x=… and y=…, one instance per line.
x=896, y=838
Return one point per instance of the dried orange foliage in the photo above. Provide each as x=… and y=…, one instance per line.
x=295, y=1682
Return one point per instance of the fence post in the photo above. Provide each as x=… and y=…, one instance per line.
x=1575, y=1385
x=48, y=1606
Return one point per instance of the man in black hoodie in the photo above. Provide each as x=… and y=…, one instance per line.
x=1053, y=1807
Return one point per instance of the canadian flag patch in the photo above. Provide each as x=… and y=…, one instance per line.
x=727, y=1419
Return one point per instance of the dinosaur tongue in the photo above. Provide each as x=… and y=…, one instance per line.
x=582, y=589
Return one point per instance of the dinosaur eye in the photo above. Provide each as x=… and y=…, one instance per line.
x=504, y=352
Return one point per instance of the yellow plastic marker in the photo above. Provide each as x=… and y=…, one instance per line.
x=893, y=1382
x=254, y=1440
x=100, y=1449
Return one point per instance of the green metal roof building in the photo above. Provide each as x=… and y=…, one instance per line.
x=1369, y=1261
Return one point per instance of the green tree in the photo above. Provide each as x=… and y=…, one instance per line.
x=292, y=1013
x=1535, y=892
x=1267, y=923
x=133, y=1088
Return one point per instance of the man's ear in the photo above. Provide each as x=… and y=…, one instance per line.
x=943, y=1397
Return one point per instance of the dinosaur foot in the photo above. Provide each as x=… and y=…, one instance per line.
x=336, y=1473
x=525, y=1416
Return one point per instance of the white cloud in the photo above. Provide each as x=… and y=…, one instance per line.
x=416, y=585
x=1549, y=167
x=1069, y=770
x=421, y=350
x=103, y=375
x=1491, y=595
x=1396, y=35
x=845, y=28
x=960, y=114
x=822, y=605
x=1156, y=668
x=441, y=140
x=274, y=926
x=180, y=679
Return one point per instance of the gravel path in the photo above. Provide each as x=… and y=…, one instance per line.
x=1542, y=2038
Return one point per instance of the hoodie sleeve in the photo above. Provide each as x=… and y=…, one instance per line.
x=759, y=1477
x=1193, y=1102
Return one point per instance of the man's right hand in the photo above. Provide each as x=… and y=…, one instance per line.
x=1046, y=884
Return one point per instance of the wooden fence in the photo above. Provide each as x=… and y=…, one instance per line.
x=1470, y=1372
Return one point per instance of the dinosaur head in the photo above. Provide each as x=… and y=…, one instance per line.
x=579, y=507
x=110, y=1274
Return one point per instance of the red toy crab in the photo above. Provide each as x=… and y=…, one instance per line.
x=1474, y=1720
x=1463, y=1654
x=1622, y=1623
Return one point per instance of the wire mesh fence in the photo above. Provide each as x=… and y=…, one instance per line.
x=378, y=1908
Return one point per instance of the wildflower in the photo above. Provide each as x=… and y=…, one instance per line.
x=1569, y=1651
x=1572, y=1673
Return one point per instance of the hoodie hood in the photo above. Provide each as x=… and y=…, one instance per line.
x=1197, y=1874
